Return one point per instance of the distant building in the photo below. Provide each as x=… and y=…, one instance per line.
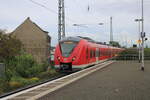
x=35, y=40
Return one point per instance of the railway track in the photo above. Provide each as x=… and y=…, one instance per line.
x=43, y=89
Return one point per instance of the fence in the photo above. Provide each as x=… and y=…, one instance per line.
x=131, y=57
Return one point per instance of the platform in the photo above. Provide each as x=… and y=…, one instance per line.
x=122, y=80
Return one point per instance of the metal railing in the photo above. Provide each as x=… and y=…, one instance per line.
x=130, y=57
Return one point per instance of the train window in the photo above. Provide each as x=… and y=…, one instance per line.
x=91, y=54
x=67, y=48
x=103, y=52
x=99, y=53
x=107, y=52
x=96, y=53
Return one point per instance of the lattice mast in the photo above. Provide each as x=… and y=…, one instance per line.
x=61, y=20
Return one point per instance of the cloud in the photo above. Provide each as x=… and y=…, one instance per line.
x=14, y=12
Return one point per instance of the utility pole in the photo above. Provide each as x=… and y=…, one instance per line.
x=143, y=37
x=61, y=20
x=111, y=30
x=139, y=40
x=111, y=34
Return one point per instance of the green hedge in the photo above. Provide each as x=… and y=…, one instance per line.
x=24, y=66
x=133, y=54
x=24, y=70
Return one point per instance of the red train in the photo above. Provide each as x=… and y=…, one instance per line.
x=75, y=53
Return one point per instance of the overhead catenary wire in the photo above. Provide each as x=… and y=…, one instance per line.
x=55, y=12
x=52, y=11
x=88, y=9
x=39, y=4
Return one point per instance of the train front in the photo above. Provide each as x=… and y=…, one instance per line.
x=66, y=54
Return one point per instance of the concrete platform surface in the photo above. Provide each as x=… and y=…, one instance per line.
x=122, y=80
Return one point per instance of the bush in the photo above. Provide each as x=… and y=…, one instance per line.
x=9, y=46
x=24, y=70
x=147, y=51
x=24, y=66
x=48, y=74
x=1, y=91
x=23, y=81
x=34, y=79
x=3, y=85
x=14, y=84
x=133, y=54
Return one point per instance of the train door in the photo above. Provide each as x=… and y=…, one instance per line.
x=87, y=55
x=91, y=55
x=97, y=55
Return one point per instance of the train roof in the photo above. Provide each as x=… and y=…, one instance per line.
x=78, y=38
x=75, y=39
x=91, y=40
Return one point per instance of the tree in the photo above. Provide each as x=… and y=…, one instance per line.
x=9, y=46
x=114, y=43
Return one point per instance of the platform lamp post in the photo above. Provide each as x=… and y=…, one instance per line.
x=139, y=41
x=85, y=25
x=142, y=36
x=100, y=23
x=80, y=25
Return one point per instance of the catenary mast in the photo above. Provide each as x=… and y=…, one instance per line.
x=61, y=20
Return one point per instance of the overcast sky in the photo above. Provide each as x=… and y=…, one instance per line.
x=14, y=12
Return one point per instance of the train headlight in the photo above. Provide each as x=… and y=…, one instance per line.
x=58, y=58
x=74, y=58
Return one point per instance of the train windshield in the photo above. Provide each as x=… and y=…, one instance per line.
x=67, y=48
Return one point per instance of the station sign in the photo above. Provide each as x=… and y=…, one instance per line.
x=139, y=41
